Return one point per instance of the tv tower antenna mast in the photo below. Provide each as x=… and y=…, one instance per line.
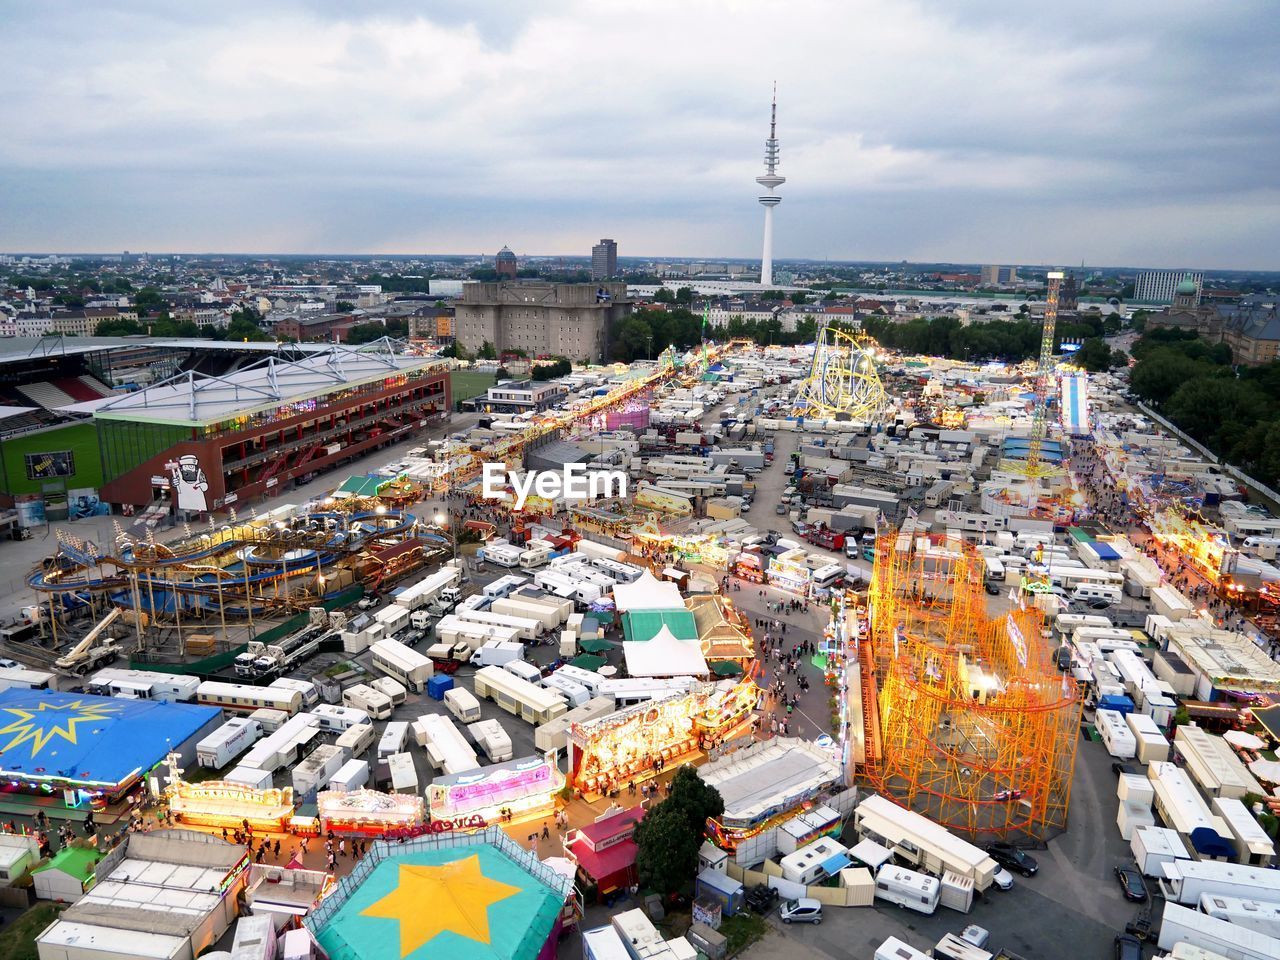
x=770, y=181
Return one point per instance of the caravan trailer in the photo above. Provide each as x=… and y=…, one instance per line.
x=907, y=888
x=535, y=704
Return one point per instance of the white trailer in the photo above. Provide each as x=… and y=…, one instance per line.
x=1116, y=735
x=404, y=775
x=391, y=688
x=1150, y=742
x=895, y=949
x=281, y=748
x=454, y=630
x=535, y=704
x=919, y=841
x=310, y=692
x=504, y=586
x=907, y=888
x=502, y=553
x=352, y=775
x=144, y=685
x=546, y=614
x=526, y=628
x=394, y=734
x=336, y=719
x=425, y=591
x=1154, y=846
x=554, y=734
x=1252, y=914
x=587, y=678
x=1182, y=925
x=491, y=738
x=227, y=742
x=361, y=696
x=570, y=689
x=462, y=704
x=446, y=747
x=356, y=739
x=402, y=663
x=395, y=619
x=1186, y=881
x=317, y=769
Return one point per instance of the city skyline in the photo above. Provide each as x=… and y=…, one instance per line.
x=991, y=134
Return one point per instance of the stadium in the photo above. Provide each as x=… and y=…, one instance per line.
x=159, y=426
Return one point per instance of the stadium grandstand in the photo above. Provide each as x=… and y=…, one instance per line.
x=135, y=420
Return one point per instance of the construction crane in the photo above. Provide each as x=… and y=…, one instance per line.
x=1033, y=467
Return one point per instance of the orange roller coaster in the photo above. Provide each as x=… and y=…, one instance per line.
x=977, y=728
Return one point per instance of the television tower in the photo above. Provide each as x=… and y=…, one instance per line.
x=770, y=181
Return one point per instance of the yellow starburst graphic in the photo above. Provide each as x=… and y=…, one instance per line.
x=39, y=723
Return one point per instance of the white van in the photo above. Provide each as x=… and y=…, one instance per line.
x=907, y=888
x=572, y=691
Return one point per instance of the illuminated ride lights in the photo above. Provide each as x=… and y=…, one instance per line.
x=524, y=788
x=217, y=803
x=842, y=383
x=370, y=812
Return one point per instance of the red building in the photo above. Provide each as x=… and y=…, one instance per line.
x=320, y=328
x=605, y=853
x=204, y=443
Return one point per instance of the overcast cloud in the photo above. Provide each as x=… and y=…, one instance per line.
x=1136, y=133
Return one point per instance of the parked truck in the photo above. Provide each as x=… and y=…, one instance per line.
x=1185, y=881
x=548, y=614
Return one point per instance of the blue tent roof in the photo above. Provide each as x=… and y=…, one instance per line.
x=1104, y=551
x=88, y=739
x=833, y=865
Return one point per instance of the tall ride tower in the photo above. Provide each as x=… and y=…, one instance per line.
x=770, y=181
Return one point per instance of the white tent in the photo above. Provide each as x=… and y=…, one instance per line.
x=1243, y=739
x=664, y=656
x=647, y=593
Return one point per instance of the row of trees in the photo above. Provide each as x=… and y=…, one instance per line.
x=243, y=326
x=1235, y=413
x=1013, y=340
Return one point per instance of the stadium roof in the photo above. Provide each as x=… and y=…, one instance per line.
x=87, y=739
x=196, y=399
x=22, y=349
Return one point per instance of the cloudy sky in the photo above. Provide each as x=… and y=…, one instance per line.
x=1134, y=133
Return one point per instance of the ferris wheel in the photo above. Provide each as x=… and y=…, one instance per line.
x=842, y=383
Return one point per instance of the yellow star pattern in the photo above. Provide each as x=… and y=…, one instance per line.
x=428, y=900
x=29, y=725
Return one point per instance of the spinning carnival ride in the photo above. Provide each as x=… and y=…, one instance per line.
x=842, y=383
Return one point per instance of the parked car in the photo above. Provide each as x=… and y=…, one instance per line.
x=1132, y=884
x=366, y=603
x=803, y=910
x=1015, y=858
x=780, y=509
x=762, y=897
x=1003, y=879
x=1128, y=948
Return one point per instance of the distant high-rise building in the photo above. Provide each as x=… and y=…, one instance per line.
x=1069, y=294
x=770, y=181
x=996, y=276
x=604, y=260
x=1159, y=286
x=506, y=264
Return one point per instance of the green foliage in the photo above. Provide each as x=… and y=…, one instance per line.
x=344, y=306
x=118, y=328
x=148, y=300
x=487, y=351
x=1095, y=355
x=664, y=295
x=18, y=940
x=560, y=367
x=667, y=854
x=684, y=295
x=671, y=833
x=366, y=332
x=741, y=930
x=1234, y=415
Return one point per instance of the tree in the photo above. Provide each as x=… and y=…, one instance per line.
x=684, y=295
x=147, y=300
x=559, y=367
x=1094, y=355
x=667, y=851
x=670, y=835
x=1111, y=325
x=487, y=351
x=366, y=333
x=664, y=295
x=118, y=327
x=344, y=306
x=1158, y=374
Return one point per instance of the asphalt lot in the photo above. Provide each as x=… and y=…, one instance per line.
x=1071, y=909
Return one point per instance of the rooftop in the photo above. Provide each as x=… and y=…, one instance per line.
x=198, y=399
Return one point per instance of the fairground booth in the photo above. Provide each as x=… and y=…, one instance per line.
x=476, y=896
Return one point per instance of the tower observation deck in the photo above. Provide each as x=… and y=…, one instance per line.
x=770, y=181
